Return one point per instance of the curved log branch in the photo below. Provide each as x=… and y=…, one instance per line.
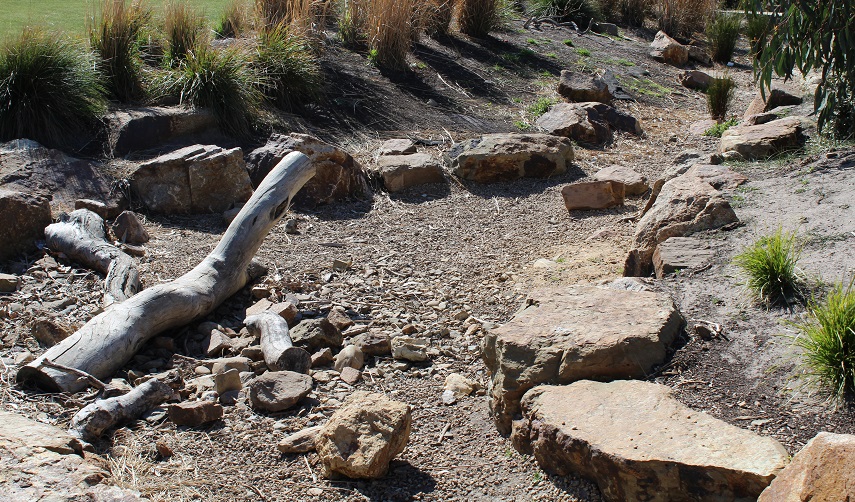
x=109, y=340
x=81, y=236
x=276, y=345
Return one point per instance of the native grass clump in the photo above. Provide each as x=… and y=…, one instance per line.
x=723, y=33
x=50, y=89
x=770, y=265
x=682, y=18
x=115, y=37
x=477, y=18
x=827, y=342
x=235, y=21
x=183, y=29
x=719, y=97
x=288, y=71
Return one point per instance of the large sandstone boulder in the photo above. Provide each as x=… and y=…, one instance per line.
x=667, y=50
x=400, y=172
x=364, y=435
x=195, y=179
x=773, y=99
x=685, y=205
x=634, y=183
x=593, y=195
x=638, y=443
x=506, y=157
x=42, y=462
x=29, y=167
x=338, y=175
x=575, y=333
x=583, y=87
x=823, y=470
x=763, y=140
x=590, y=122
x=23, y=218
x=137, y=129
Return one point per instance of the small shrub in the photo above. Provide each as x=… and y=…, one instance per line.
x=757, y=28
x=50, y=90
x=771, y=266
x=719, y=96
x=827, y=341
x=352, y=21
x=723, y=32
x=234, y=21
x=437, y=16
x=477, y=18
x=541, y=106
x=221, y=80
x=717, y=130
x=288, y=71
x=183, y=27
x=115, y=38
x=683, y=17
x=582, y=12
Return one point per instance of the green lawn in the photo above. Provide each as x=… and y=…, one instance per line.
x=70, y=15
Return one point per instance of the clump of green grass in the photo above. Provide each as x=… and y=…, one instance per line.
x=827, y=341
x=289, y=72
x=719, y=96
x=477, y=18
x=183, y=27
x=115, y=37
x=224, y=82
x=234, y=21
x=717, y=130
x=541, y=106
x=771, y=267
x=722, y=33
x=50, y=90
x=585, y=53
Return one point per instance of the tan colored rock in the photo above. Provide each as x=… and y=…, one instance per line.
x=459, y=385
x=774, y=99
x=667, y=50
x=349, y=357
x=192, y=180
x=823, y=470
x=278, y=390
x=400, y=172
x=350, y=376
x=301, y=441
x=720, y=177
x=227, y=381
x=685, y=205
x=50, y=332
x=575, y=333
x=576, y=121
x=678, y=253
x=195, y=413
x=763, y=140
x=695, y=80
x=505, y=157
x=136, y=129
x=339, y=318
x=593, y=195
x=338, y=175
x=700, y=127
x=23, y=218
x=374, y=343
x=634, y=183
x=127, y=228
x=315, y=334
x=638, y=443
x=363, y=436
x=411, y=349
x=582, y=87
x=397, y=146
x=9, y=283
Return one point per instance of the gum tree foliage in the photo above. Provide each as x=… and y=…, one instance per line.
x=813, y=35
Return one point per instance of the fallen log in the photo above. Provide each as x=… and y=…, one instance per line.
x=93, y=419
x=279, y=351
x=81, y=237
x=109, y=340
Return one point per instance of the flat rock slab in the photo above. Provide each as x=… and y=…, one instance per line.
x=589, y=122
x=763, y=140
x=634, y=183
x=685, y=205
x=638, y=443
x=192, y=180
x=400, y=172
x=583, y=87
x=42, y=462
x=575, y=333
x=823, y=470
x=720, y=177
x=136, y=129
x=506, y=157
x=593, y=195
x=678, y=253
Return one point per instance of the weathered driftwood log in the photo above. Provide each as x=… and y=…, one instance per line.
x=110, y=340
x=81, y=236
x=90, y=422
x=279, y=351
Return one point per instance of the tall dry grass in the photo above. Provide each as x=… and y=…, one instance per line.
x=436, y=16
x=235, y=20
x=183, y=27
x=115, y=36
x=477, y=18
x=682, y=18
x=296, y=14
x=386, y=26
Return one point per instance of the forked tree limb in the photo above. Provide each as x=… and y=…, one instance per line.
x=93, y=419
x=108, y=341
x=81, y=236
x=279, y=351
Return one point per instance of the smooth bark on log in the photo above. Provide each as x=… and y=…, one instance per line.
x=81, y=236
x=279, y=351
x=92, y=420
x=111, y=339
